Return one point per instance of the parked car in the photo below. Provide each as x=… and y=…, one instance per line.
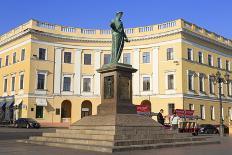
x=226, y=128
x=26, y=123
x=208, y=129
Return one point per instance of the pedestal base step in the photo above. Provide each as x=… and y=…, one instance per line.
x=120, y=148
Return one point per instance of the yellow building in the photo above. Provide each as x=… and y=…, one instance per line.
x=49, y=71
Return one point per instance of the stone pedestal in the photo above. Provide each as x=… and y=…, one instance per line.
x=116, y=90
x=116, y=127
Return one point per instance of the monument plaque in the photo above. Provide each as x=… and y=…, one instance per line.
x=108, y=87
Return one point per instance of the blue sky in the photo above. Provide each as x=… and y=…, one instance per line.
x=215, y=15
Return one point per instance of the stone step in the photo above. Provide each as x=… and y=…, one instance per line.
x=120, y=148
x=79, y=136
x=72, y=141
x=94, y=132
x=78, y=127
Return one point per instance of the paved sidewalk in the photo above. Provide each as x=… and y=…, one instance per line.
x=10, y=147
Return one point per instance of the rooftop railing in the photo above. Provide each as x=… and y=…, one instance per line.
x=88, y=31
x=167, y=25
x=45, y=25
x=68, y=29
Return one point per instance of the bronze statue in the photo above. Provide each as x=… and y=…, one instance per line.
x=118, y=37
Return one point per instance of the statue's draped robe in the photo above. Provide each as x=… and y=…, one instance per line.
x=117, y=40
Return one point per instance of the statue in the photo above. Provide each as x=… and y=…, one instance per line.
x=118, y=37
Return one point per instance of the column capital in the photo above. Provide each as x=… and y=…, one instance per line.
x=79, y=49
x=98, y=50
x=155, y=47
x=136, y=49
x=59, y=48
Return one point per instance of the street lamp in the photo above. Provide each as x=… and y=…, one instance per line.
x=220, y=80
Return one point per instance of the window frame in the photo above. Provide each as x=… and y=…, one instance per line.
x=45, y=80
x=202, y=57
x=128, y=54
x=170, y=53
x=202, y=112
x=64, y=60
x=63, y=83
x=14, y=58
x=23, y=54
x=144, y=55
x=104, y=58
x=84, y=61
x=45, y=55
x=5, y=84
x=13, y=84
x=37, y=110
x=210, y=61
x=143, y=86
x=21, y=74
x=191, y=59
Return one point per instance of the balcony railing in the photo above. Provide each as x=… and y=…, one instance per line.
x=167, y=25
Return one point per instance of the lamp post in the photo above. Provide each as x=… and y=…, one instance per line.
x=220, y=80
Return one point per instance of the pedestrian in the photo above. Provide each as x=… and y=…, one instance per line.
x=160, y=117
x=175, y=121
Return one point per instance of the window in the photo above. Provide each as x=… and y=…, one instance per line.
x=202, y=111
x=23, y=54
x=106, y=58
x=190, y=81
x=212, y=113
x=219, y=62
x=40, y=81
x=67, y=84
x=230, y=89
x=223, y=118
x=170, y=54
x=171, y=81
x=0, y=62
x=21, y=82
x=222, y=92
x=126, y=58
x=210, y=60
x=67, y=57
x=200, y=57
x=13, y=84
x=39, y=111
x=7, y=60
x=230, y=113
x=211, y=86
x=146, y=57
x=5, y=85
x=87, y=59
x=86, y=84
x=42, y=54
x=201, y=83
x=146, y=83
x=191, y=106
x=14, y=57
x=171, y=108
x=190, y=54
x=227, y=65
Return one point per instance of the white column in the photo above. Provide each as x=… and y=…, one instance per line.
x=58, y=70
x=97, y=65
x=136, y=75
x=155, y=77
x=77, y=72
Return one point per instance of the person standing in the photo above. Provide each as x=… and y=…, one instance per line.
x=175, y=121
x=160, y=117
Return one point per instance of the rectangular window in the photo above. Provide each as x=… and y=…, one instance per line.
x=41, y=81
x=212, y=113
x=219, y=62
x=146, y=83
x=200, y=57
x=126, y=58
x=170, y=54
x=211, y=86
x=190, y=54
x=191, y=106
x=190, y=82
x=171, y=81
x=0, y=62
x=13, y=84
x=5, y=85
x=227, y=65
x=42, y=54
x=14, y=57
x=202, y=111
x=210, y=60
x=23, y=54
x=201, y=83
x=171, y=108
x=87, y=59
x=107, y=58
x=39, y=111
x=67, y=84
x=86, y=84
x=21, y=82
x=230, y=113
x=67, y=57
x=146, y=57
x=7, y=60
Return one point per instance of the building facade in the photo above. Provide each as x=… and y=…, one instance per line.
x=50, y=70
